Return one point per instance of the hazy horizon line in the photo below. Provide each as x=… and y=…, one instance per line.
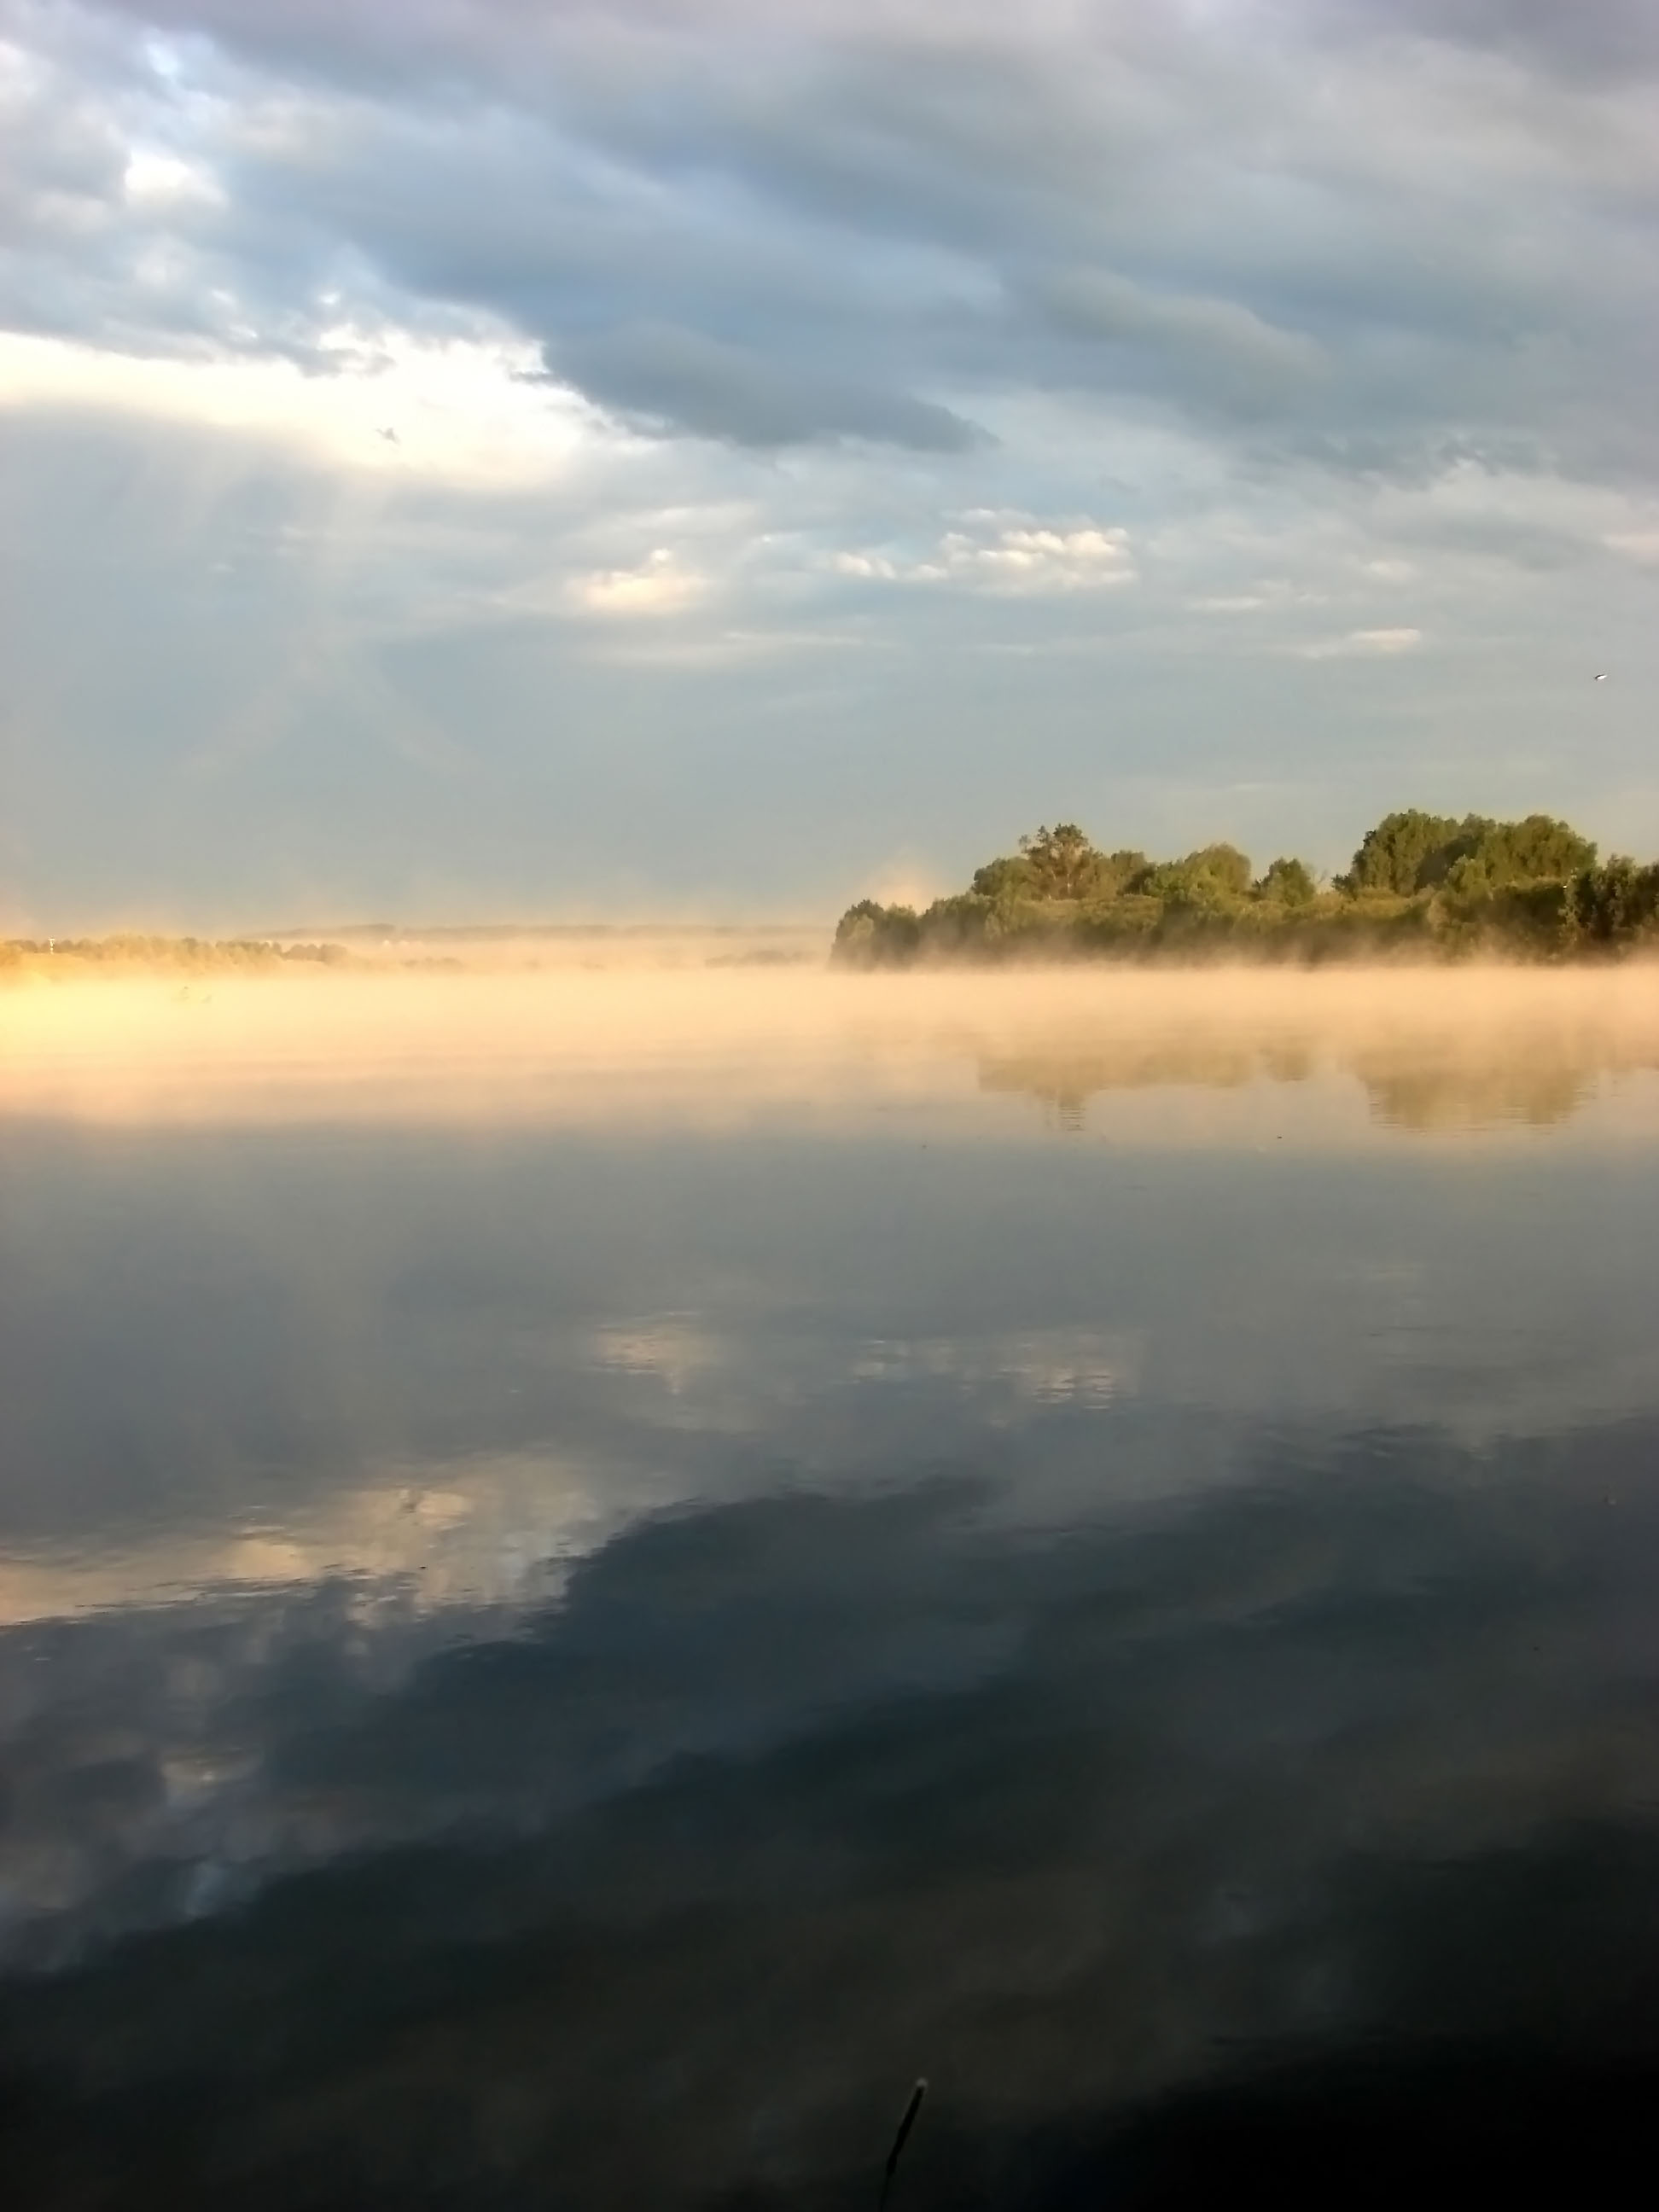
x=476, y=932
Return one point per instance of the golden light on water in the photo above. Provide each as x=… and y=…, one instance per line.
x=1219, y=1056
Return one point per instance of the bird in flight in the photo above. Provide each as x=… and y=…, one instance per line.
x=1602, y=678
x=390, y=437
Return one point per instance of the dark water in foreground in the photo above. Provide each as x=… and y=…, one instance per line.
x=565, y=1665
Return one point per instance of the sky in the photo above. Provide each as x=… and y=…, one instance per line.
x=513, y=459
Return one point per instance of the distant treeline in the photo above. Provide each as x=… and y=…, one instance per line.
x=64, y=958
x=1421, y=885
x=193, y=954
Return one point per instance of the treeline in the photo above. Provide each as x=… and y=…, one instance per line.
x=191, y=954
x=1420, y=885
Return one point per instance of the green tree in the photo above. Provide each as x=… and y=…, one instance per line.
x=1530, y=887
x=1062, y=861
x=1118, y=872
x=1613, y=903
x=1287, y=882
x=1539, y=849
x=1208, y=879
x=1227, y=868
x=870, y=935
x=1393, y=856
x=1009, y=877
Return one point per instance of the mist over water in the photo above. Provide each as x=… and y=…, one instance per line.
x=597, y=1570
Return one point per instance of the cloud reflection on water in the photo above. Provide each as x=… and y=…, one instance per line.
x=787, y=1798
x=539, y=1666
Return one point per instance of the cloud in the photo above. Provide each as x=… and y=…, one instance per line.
x=1641, y=546
x=865, y=223
x=664, y=378
x=463, y=410
x=1218, y=348
x=1362, y=643
x=658, y=585
x=1294, y=290
x=1602, y=39
x=167, y=181
x=1014, y=555
x=1021, y=556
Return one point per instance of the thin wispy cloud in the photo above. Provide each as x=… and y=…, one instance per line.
x=1362, y=642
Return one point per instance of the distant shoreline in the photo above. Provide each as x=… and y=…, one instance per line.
x=504, y=931
x=458, y=949
x=1308, y=950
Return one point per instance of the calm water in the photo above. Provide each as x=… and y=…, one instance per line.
x=586, y=1596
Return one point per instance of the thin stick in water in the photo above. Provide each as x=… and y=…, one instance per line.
x=900, y=2138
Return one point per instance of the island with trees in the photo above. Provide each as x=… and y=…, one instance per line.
x=1422, y=886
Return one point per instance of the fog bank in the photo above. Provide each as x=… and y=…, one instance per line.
x=1337, y=1056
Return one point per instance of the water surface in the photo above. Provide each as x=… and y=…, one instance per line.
x=596, y=1572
